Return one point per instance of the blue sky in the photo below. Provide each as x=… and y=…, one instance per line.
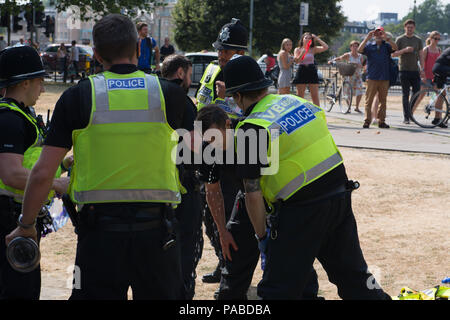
x=361, y=10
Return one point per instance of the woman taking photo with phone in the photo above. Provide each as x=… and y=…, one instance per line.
x=308, y=46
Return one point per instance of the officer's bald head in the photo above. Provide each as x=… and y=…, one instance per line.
x=115, y=37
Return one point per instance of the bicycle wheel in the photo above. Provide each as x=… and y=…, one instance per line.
x=345, y=97
x=327, y=98
x=426, y=106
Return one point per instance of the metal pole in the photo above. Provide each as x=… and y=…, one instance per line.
x=32, y=26
x=414, y=12
x=299, y=21
x=250, y=49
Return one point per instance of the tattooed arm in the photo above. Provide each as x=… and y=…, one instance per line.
x=255, y=206
x=214, y=198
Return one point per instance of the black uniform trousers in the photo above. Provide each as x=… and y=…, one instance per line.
x=189, y=216
x=237, y=273
x=14, y=284
x=408, y=79
x=325, y=230
x=108, y=262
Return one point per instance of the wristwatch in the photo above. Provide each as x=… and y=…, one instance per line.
x=25, y=226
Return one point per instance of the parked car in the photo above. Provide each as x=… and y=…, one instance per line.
x=50, y=61
x=200, y=60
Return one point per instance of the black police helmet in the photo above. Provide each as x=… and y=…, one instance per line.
x=243, y=74
x=232, y=36
x=18, y=64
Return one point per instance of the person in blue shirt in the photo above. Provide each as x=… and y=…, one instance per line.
x=378, y=55
x=145, y=46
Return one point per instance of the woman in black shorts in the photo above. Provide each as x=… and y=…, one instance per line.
x=307, y=71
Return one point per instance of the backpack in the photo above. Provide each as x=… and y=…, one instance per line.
x=393, y=72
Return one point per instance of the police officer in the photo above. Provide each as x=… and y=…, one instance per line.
x=305, y=187
x=178, y=69
x=124, y=182
x=231, y=41
x=21, y=136
x=239, y=246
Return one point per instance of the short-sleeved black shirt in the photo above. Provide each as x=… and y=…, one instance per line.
x=17, y=134
x=73, y=109
x=239, y=172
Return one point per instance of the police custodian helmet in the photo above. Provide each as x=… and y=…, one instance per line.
x=243, y=74
x=232, y=36
x=18, y=64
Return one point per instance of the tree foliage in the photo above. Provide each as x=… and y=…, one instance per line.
x=103, y=7
x=198, y=22
x=430, y=15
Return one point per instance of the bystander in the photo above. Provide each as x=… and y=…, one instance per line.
x=410, y=51
x=378, y=59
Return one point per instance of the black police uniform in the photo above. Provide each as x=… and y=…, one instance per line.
x=315, y=222
x=17, y=134
x=137, y=256
x=318, y=226
x=189, y=212
x=232, y=36
x=237, y=273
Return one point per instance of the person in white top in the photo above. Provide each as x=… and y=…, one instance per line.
x=74, y=59
x=356, y=79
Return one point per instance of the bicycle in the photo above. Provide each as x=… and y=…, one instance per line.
x=428, y=101
x=342, y=95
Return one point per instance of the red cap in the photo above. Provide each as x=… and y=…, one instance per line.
x=379, y=28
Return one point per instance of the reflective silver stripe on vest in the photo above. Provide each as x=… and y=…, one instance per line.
x=311, y=174
x=126, y=195
x=103, y=115
x=278, y=109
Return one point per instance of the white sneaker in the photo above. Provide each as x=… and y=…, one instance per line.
x=374, y=121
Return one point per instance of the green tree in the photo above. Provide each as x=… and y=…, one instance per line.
x=430, y=15
x=273, y=21
x=13, y=7
x=103, y=7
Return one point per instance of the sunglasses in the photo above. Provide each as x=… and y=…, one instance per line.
x=437, y=39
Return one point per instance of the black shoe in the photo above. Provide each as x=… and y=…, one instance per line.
x=406, y=121
x=383, y=125
x=213, y=277
x=366, y=125
x=442, y=125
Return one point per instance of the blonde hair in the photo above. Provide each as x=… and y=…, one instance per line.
x=432, y=35
x=283, y=43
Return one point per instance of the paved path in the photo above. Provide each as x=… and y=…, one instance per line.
x=347, y=131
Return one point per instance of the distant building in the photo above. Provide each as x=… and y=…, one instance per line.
x=385, y=18
x=160, y=21
x=355, y=27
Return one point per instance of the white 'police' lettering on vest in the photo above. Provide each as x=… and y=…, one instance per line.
x=126, y=84
x=296, y=119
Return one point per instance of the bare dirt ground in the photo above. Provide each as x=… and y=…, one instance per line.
x=401, y=208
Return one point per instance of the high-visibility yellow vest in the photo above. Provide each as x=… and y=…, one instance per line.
x=30, y=156
x=205, y=94
x=306, y=148
x=124, y=154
